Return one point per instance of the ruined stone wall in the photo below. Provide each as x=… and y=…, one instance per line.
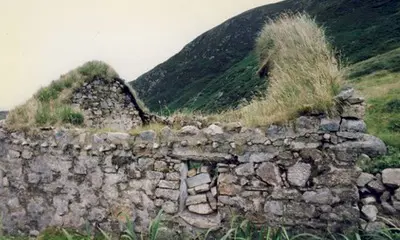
x=106, y=105
x=301, y=175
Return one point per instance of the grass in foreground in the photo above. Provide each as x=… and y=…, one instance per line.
x=302, y=71
x=51, y=106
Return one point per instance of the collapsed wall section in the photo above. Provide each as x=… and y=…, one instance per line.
x=301, y=175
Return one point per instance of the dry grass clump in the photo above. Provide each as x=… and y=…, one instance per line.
x=51, y=106
x=302, y=71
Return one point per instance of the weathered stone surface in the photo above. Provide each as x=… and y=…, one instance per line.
x=245, y=169
x=168, y=184
x=270, y=174
x=345, y=94
x=174, y=176
x=330, y=125
x=198, y=180
x=299, y=174
x=202, y=208
x=148, y=136
x=199, y=221
x=388, y=209
x=321, y=196
x=189, y=130
x=376, y=186
x=274, y=207
x=391, y=176
x=202, y=188
x=117, y=137
x=167, y=194
x=160, y=166
x=353, y=111
x=196, y=199
x=370, y=212
x=170, y=207
x=213, y=130
x=353, y=126
x=364, y=179
x=368, y=200
x=261, y=157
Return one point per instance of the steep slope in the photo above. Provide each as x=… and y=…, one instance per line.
x=217, y=70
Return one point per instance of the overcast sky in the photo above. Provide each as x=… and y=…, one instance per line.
x=42, y=39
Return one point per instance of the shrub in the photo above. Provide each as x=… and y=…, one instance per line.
x=394, y=125
x=302, y=71
x=391, y=160
x=393, y=106
x=68, y=115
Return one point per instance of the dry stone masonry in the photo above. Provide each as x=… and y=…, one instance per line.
x=107, y=104
x=301, y=175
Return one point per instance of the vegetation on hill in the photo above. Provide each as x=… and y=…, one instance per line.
x=302, y=71
x=3, y=114
x=51, y=104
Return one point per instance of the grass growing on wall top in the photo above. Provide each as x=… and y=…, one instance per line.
x=51, y=106
x=302, y=71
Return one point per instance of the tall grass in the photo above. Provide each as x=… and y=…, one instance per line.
x=51, y=104
x=302, y=71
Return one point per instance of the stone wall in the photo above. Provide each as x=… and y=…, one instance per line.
x=107, y=104
x=301, y=175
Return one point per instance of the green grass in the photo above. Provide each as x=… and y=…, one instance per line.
x=51, y=104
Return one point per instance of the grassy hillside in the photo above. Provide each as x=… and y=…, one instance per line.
x=216, y=70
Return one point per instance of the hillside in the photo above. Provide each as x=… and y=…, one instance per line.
x=3, y=114
x=217, y=70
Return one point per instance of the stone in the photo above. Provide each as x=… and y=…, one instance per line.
x=345, y=94
x=396, y=205
x=364, y=179
x=200, y=221
x=202, y=188
x=299, y=174
x=397, y=194
x=273, y=208
x=270, y=174
x=373, y=227
x=160, y=166
x=285, y=194
x=26, y=154
x=148, y=136
x=152, y=175
x=200, y=179
x=212, y=201
x=213, y=130
x=189, y=130
x=196, y=199
x=330, y=124
x=321, y=196
x=34, y=233
x=353, y=126
x=391, y=177
x=385, y=196
x=389, y=209
x=376, y=186
x=370, y=212
x=261, y=157
x=168, y=184
x=353, y=111
x=117, y=137
x=245, y=169
x=170, y=207
x=192, y=172
x=297, y=146
x=368, y=200
x=145, y=164
x=174, y=176
x=202, y=208
x=172, y=195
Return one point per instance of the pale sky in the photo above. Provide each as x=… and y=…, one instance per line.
x=42, y=39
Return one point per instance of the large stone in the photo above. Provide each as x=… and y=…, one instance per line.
x=213, y=130
x=366, y=144
x=148, y=136
x=202, y=208
x=376, y=186
x=261, y=157
x=172, y=195
x=270, y=174
x=321, y=196
x=364, y=179
x=345, y=94
x=189, y=130
x=391, y=177
x=245, y=169
x=170, y=207
x=330, y=124
x=353, y=126
x=117, y=137
x=196, y=199
x=145, y=164
x=370, y=212
x=299, y=174
x=274, y=208
x=168, y=184
x=298, y=145
x=26, y=154
x=200, y=179
x=200, y=221
x=353, y=111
